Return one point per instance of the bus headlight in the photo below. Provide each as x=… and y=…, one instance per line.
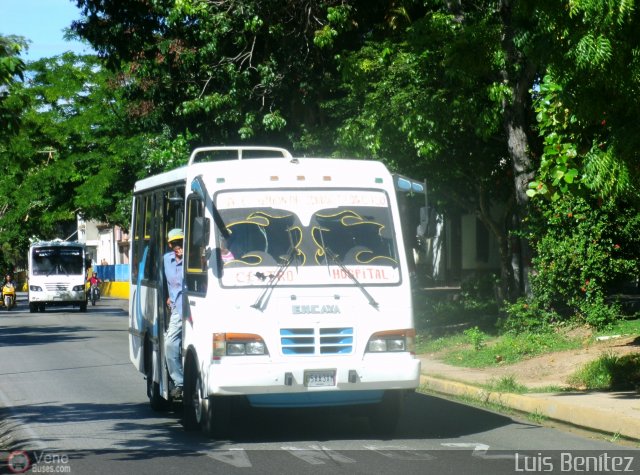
x=237, y=344
x=78, y=288
x=35, y=288
x=392, y=341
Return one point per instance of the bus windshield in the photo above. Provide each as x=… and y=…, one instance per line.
x=310, y=230
x=53, y=260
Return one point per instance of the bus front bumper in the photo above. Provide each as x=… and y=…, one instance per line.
x=315, y=382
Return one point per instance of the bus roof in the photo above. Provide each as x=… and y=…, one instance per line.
x=247, y=166
x=296, y=172
x=176, y=175
x=57, y=243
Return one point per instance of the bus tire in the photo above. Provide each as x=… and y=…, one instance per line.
x=384, y=416
x=83, y=307
x=216, y=416
x=191, y=398
x=32, y=308
x=156, y=401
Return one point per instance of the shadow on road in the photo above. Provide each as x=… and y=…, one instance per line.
x=138, y=428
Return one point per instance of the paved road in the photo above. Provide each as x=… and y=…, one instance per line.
x=72, y=401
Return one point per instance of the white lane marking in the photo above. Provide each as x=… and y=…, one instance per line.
x=317, y=455
x=479, y=450
x=399, y=452
x=235, y=457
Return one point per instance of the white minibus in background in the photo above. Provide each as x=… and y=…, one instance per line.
x=297, y=289
x=57, y=275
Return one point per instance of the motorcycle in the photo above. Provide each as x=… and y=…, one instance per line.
x=8, y=296
x=94, y=293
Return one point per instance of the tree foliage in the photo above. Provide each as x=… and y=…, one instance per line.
x=495, y=102
x=75, y=153
x=11, y=69
x=225, y=71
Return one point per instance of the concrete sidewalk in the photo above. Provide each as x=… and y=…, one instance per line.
x=616, y=413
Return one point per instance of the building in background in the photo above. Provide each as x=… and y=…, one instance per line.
x=106, y=245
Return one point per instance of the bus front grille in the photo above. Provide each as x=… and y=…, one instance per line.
x=56, y=286
x=316, y=341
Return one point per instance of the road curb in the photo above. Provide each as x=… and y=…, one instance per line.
x=555, y=406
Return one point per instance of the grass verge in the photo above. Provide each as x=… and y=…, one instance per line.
x=475, y=349
x=506, y=384
x=609, y=373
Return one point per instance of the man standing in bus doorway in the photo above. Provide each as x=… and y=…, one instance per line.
x=173, y=337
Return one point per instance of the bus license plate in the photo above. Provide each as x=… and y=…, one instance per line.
x=318, y=379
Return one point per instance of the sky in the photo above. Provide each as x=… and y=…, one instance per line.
x=41, y=22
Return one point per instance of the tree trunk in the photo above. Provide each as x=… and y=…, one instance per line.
x=518, y=74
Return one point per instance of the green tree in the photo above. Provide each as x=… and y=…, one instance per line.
x=11, y=69
x=436, y=89
x=225, y=72
x=442, y=91
x=76, y=152
x=586, y=235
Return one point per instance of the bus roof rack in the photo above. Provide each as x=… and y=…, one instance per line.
x=211, y=154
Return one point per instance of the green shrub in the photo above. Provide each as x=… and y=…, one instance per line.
x=583, y=248
x=527, y=315
x=599, y=314
x=476, y=337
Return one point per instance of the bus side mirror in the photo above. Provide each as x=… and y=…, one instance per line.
x=200, y=231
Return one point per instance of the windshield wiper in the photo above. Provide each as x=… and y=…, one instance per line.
x=334, y=258
x=263, y=300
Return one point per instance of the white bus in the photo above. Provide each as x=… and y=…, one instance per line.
x=57, y=275
x=311, y=304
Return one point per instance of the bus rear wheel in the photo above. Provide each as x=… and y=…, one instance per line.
x=156, y=401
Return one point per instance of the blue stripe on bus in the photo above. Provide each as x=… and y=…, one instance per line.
x=316, y=398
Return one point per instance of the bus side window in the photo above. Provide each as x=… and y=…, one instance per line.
x=151, y=220
x=136, y=245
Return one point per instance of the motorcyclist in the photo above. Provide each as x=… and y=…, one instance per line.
x=8, y=281
x=94, y=281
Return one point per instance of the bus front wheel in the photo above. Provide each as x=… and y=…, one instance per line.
x=211, y=414
x=216, y=416
x=384, y=416
x=191, y=399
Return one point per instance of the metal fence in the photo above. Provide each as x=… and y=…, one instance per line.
x=113, y=273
